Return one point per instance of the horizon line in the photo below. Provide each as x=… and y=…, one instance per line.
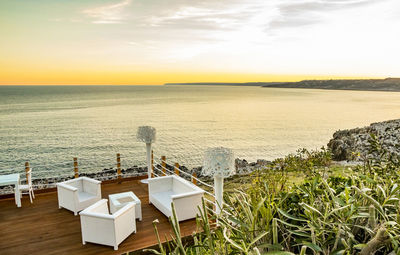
x=196, y=82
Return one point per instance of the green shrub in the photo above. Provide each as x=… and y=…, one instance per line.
x=303, y=160
x=355, y=214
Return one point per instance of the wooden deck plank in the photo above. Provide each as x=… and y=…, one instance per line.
x=42, y=228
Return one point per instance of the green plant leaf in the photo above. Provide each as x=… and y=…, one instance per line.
x=312, y=246
x=310, y=208
x=278, y=253
x=287, y=215
x=340, y=252
x=359, y=246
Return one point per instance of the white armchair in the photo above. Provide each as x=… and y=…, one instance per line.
x=185, y=196
x=98, y=226
x=77, y=194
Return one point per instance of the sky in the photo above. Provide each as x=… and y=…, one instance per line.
x=158, y=41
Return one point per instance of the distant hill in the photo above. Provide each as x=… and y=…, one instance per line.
x=388, y=84
x=256, y=84
x=218, y=84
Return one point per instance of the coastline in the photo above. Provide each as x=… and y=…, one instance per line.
x=344, y=145
x=387, y=84
x=243, y=168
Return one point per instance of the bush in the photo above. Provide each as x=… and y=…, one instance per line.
x=303, y=160
x=358, y=214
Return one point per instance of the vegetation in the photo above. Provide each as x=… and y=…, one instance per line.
x=353, y=213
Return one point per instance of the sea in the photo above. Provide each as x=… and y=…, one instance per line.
x=50, y=125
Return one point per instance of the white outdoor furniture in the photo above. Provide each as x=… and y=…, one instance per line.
x=99, y=226
x=12, y=179
x=185, y=196
x=119, y=200
x=27, y=188
x=77, y=194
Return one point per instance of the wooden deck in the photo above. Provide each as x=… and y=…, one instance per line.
x=42, y=228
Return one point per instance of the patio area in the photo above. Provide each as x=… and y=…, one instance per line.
x=42, y=228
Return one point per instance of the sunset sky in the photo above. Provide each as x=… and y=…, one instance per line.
x=158, y=41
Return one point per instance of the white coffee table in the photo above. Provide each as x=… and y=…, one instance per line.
x=12, y=179
x=117, y=201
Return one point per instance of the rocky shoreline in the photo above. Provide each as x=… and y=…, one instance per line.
x=344, y=145
x=242, y=166
x=353, y=144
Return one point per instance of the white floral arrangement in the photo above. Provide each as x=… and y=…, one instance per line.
x=219, y=162
x=146, y=134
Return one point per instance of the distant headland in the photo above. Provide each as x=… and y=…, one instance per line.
x=258, y=84
x=388, y=84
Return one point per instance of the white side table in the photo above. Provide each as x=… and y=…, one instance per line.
x=12, y=179
x=117, y=201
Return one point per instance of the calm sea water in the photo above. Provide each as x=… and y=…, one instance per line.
x=48, y=126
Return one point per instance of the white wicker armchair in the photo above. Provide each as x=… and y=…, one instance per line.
x=98, y=226
x=77, y=194
x=185, y=196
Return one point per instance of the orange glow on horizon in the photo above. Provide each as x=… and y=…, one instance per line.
x=93, y=77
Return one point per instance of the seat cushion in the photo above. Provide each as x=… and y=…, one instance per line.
x=83, y=196
x=163, y=200
x=181, y=186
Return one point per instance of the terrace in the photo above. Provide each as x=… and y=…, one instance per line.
x=42, y=228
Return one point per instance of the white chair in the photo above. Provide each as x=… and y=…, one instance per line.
x=117, y=201
x=101, y=227
x=27, y=188
x=78, y=194
x=185, y=195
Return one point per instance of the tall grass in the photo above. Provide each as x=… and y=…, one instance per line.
x=356, y=214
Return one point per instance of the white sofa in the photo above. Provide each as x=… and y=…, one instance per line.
x=185, y=195
x=77, y=194
x=99, y=226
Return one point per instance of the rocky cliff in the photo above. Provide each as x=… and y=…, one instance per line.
x=347, y=142
x=388, y=84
